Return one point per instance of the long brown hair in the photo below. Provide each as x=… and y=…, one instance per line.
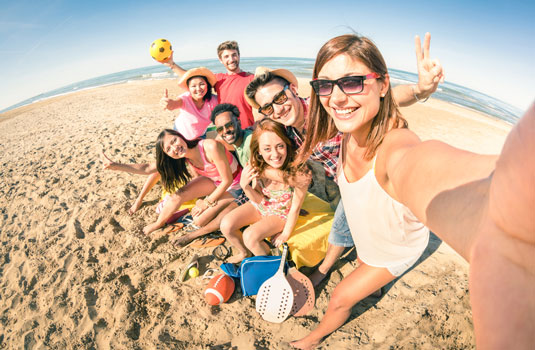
x=258, y=162
x=174, y=172
x=320, y=126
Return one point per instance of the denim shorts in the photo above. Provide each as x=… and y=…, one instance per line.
x=340, y=234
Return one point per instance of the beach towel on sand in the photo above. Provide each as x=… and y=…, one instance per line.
x=308, y=243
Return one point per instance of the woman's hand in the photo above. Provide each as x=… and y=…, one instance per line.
x=280, y=238
x=107, y=163
x=430, y=71
x=248, y=174
x=168, y=103
x=199, y=208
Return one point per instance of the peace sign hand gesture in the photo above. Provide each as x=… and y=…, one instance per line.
x=430, y=71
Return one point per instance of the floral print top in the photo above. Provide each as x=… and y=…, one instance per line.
x=276, y=202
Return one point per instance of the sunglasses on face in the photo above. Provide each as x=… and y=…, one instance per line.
x=349, y=85
x=229, y=125
x=278, y=99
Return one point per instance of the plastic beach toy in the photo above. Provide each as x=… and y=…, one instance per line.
x=161, y=49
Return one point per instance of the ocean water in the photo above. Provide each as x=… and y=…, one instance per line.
x=301, y=67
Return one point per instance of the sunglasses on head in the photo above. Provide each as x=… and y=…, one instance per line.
x=229, y=125
x=349, y=85
x=278, y=99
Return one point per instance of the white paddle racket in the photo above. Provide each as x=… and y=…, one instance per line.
x=275, y=296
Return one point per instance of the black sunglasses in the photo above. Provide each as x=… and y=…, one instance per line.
x=278, y=99
x=228, y=125
x=349, y=85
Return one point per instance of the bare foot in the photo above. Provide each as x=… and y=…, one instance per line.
x=305, y=343
x=135, y=207
x=150, y=228
x=237, y=258
x=316, y=277
x=182, y=240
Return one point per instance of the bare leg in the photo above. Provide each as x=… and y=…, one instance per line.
x=152, y=179
x=355, y=287
x=230, y=227
x=198, y=187
x=210, y=213
x=220, y=210
x=340, y=234
x=333, y=253
x=255, y=234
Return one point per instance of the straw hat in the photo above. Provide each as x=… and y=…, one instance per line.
x=283, y=73
x=200, y=71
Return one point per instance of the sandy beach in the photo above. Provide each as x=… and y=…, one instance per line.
x=77, y=273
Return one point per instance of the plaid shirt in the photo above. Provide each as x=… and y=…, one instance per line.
x=325, y=152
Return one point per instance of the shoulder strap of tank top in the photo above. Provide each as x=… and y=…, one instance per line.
x=342, y=154
x=374, y=160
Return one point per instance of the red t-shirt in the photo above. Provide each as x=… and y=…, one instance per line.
x=230, y=89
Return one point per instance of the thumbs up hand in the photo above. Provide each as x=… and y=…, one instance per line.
x=168, y=103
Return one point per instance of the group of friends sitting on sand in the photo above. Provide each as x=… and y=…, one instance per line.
x=349, y=145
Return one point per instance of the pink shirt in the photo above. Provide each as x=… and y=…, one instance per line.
x=210, y=171
x=193, y=122
x=230, y=89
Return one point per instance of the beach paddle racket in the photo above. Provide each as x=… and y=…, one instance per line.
x=304, y=295
x=275, y=297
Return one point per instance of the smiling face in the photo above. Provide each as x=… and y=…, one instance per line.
x=197, y=87
x=273, y=149
x=231, y=60
x=291, y=112
x=352, y=113
x=174, y=146
x=228, y=124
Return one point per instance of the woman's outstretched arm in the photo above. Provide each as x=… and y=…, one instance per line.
x=141, y=169
x=482, y=206
x=502, y=266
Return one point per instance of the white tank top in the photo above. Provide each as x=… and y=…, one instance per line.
x=385, y=232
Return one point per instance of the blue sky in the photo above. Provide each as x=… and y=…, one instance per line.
x=485, y=45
